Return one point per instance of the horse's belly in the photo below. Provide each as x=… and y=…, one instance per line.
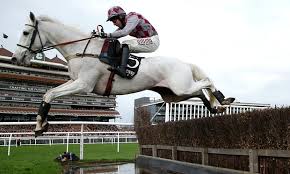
x=100, y=86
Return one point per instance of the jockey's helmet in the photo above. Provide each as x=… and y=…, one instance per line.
x=115, y=11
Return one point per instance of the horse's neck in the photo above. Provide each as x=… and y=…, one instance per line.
x=59, y=33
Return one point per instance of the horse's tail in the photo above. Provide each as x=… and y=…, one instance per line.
x=198, y=74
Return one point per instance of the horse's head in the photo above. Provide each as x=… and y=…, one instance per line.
x=30, y=43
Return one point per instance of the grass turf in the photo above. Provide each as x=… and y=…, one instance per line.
x=40, y=159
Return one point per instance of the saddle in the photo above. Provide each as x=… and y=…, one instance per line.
x=111, y=54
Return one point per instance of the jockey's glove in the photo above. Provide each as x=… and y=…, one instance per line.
x=103, y=35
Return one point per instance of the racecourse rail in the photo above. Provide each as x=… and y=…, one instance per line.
x=67, y=135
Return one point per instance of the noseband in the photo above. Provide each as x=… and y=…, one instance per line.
x=35, y=31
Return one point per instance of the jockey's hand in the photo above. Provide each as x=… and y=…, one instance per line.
x=100, y=34
x=103, y=35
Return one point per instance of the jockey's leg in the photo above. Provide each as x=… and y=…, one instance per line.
x=121, y=70
x=137, y=45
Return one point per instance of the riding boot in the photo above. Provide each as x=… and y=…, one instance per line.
x=121, y=70
x=221, y=98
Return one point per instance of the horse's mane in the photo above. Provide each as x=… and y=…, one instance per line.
x=45, y=18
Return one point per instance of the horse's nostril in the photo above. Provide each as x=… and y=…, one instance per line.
x=14, y=60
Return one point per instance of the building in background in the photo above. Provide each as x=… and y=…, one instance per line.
x=189, y=109
x=22, y=88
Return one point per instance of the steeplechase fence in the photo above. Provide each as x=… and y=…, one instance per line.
x=81, y=137
x=256, y=141
x=207, y=156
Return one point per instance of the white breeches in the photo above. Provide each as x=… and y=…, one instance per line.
x=143, y=45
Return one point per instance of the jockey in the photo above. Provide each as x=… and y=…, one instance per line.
x=146, y=37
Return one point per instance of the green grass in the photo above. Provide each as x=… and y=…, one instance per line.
x=39, y=159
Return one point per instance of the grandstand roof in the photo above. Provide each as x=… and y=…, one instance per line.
x=56, y=59
x=5, y=52
x=63, y=112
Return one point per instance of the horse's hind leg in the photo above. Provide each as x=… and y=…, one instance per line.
x=186, y=85
x=198, y=74
x=221, y=98
x=208, y=105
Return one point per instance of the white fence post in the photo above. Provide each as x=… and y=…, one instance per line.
x=10, y=137
x=118, y=145
x=82, y=143
x=67, y=142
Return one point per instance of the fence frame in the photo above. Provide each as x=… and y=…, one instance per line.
x=82, y=123
x=253, y=154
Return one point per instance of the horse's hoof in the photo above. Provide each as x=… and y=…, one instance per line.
x=220, y=109
x=40, y=131
x=37, y=133
x=228, y=101
x=213, y=111
x=45, y=127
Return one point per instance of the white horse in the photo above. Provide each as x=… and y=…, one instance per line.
x=172, y=79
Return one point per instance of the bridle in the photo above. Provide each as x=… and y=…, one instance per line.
x=46, y=48
x=35, y=31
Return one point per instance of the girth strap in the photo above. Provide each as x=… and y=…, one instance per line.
x=109, y=84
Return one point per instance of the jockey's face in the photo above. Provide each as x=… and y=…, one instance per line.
x=117, y=22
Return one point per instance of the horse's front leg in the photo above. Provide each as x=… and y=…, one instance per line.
x=69, y=88
x=41, y=118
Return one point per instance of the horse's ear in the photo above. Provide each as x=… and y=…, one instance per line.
x=32, y=17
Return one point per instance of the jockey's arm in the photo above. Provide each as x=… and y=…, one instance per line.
x=132, y=22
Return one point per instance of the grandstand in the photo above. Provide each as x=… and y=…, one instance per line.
x=22, y=88
x=189, y=109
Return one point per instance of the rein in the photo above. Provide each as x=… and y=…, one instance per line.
x=46, y=48
x=64, y=43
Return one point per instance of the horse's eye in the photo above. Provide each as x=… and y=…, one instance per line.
x=25, y=33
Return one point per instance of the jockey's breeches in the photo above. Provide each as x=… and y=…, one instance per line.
x=143, y=45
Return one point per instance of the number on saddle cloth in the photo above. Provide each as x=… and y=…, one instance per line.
x=111, y=54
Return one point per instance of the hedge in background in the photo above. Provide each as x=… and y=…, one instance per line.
x=261, y=129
